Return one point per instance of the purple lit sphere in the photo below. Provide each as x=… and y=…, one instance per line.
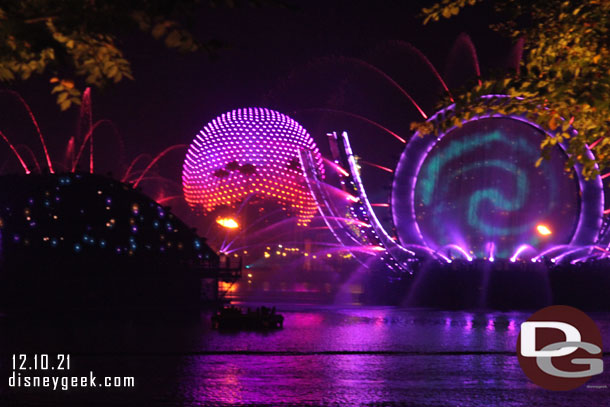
x=251, y=151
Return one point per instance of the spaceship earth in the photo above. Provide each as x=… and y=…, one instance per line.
x=250, y=151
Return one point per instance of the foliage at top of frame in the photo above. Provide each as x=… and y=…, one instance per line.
x=563, y=80
x=76, y=43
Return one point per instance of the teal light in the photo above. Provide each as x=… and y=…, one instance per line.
x=479, y=185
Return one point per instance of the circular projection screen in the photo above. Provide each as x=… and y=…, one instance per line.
x=477, y=188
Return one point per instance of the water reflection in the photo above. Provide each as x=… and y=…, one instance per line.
x=323, y=356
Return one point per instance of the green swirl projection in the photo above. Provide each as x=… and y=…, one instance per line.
x=479, y=188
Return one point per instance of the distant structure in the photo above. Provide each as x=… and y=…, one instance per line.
x=473, y=192
x=475, y=221
x=87, y=242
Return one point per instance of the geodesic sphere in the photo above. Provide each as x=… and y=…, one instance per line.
x=250, y=151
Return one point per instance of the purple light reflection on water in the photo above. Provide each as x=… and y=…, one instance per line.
x=490, y=325
x=379, y=355
x=353, y=380
x=468, y=326
x=323, y=356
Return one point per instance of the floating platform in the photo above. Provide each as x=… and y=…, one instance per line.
x=233, y=318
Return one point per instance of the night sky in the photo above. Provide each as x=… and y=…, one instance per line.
x=174, y=95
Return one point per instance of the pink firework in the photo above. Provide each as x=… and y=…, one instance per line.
x=251, y=151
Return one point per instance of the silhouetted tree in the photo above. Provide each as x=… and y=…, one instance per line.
x=76, y=42
x=563, y=80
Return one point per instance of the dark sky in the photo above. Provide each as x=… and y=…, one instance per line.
x=174, y=95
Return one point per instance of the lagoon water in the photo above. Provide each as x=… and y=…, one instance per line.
x=354, y=356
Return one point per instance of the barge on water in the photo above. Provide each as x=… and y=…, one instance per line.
x=233, y=318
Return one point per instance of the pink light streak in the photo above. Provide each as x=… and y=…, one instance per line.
x=349, y=221
x=375, y=248
x=88, y=136
x=520, y=250
x=595, y=143
x=14, y=150
x=69, y=156
x=392, y=81
x=428, y=63
x=35, y=122
x=459, y=249
x=86, y=116
x=465, y=39
x=132, y=164
x=166, y=199
x=155, y=160
x=381, y=167
x=352, y=198
x=31, y=154
x=359, y=117
x=335, y=166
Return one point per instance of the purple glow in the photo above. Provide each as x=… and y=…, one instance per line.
x=412, y=159
x=567, y=253
x=520, y=250
x=579, y=259
x=327, y=210
x=601, y=249
x=551, y=250
x=416, y=247
x=459, y=249
x=335, y=166
x=252, y=151
x=396, y=251
x=468, y=325
x=372, y=236
x=490, y=325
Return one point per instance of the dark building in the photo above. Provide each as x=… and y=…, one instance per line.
x=88, y=242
